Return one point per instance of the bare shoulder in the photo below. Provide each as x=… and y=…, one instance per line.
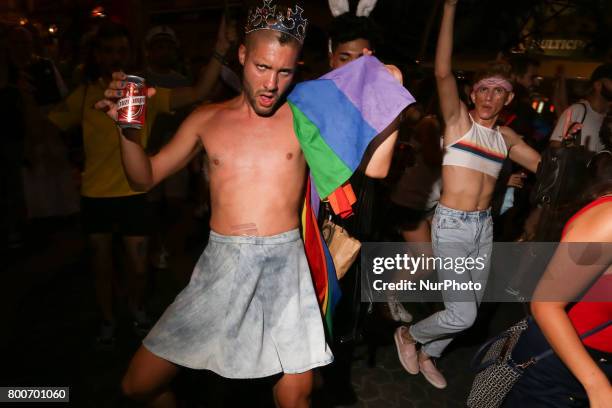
x=507, y=131
x=510, y=136
x=285, y=111
x=206, y=112
x=595, y=225
x=601, y=219
x=206, y=115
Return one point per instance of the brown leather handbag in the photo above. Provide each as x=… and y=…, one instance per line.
x=343, y=248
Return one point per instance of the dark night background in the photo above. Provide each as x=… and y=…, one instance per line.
x=47, y=310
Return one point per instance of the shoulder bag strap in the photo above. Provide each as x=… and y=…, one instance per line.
x=582, y=337
x=585, y=111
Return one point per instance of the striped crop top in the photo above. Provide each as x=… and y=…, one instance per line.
x=481, y=148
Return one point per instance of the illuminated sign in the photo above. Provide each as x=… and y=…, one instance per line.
x=562, y=47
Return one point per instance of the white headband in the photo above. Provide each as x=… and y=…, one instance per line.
x=493, y=82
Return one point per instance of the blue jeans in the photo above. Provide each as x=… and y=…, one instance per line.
x=456, y=234
x=549, y=383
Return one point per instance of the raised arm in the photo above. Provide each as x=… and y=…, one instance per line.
x=384, y=144
x=380, y=162
x=209, y=75
x=450, y=104
x=144, y=172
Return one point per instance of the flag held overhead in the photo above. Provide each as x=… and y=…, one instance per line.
x=338, y=115
x=335, y=118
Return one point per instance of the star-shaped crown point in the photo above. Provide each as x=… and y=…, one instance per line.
x=290, y=22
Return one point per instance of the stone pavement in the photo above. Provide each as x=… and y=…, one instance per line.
x=388, y=385
x=49, y=319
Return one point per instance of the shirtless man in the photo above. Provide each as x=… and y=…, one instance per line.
x=474, y=151
x=250, y=309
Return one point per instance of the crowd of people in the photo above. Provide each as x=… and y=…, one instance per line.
x=458, y=166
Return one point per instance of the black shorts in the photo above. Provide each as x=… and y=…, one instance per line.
x=408, y=219
x=128, y=216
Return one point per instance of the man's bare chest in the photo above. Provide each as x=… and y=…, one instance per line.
x=254, y=150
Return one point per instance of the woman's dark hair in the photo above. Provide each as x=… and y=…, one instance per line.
x=348, y=27
x=600, y=172
x=605, y=133
x=520, y=63
x=599, y=183
x=105, y=31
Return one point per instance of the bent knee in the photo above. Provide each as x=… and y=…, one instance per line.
x=132, y=390
x=127, y=388
x=460, y=319
x=147, y=376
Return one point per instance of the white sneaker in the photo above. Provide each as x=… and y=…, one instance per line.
x=398, y=313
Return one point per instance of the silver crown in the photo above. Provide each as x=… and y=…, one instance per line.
x=266, y=18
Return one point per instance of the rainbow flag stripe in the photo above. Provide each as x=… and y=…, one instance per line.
x=335, y=118
x=319, y=259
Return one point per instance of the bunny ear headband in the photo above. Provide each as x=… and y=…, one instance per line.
x=364, y=8
x=339, y=7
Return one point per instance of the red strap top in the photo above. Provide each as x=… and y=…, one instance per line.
x=587, y=315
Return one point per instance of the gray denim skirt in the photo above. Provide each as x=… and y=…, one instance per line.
x=249, y=311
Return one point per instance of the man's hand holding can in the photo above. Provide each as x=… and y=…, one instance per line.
x=125, y=100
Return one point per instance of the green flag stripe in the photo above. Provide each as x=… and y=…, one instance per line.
x=319, y=155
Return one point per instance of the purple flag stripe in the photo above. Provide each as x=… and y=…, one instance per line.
x=372, y=89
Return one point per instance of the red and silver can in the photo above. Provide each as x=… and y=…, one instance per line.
x=132, y=107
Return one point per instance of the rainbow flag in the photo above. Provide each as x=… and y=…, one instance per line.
x=319, y=259
x=335, y=118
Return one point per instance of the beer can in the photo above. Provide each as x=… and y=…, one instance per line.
x=132, y=107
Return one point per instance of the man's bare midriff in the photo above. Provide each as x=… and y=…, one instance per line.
x=465, y=189
x=257, y=173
